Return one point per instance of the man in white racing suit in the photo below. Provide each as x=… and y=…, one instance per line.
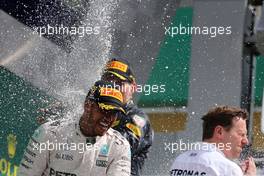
x=88, y=147
x=224, y=135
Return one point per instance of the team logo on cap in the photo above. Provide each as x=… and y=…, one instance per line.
x=117, y=65
x=110, y=92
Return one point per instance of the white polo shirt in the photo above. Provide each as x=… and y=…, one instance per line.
x=205, y=159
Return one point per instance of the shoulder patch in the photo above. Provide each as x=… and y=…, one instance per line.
x=135, y=130
x=139, y=121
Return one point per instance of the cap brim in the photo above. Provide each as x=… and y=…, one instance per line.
x=118, y=75
x=110, y=107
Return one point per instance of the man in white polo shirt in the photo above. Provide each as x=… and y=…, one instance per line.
x=224, y=135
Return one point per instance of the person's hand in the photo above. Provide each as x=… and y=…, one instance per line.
x=249, y=168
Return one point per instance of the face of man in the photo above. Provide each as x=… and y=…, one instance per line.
x=95, y=121
x=235, y=138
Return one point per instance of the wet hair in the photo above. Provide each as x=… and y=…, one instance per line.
x=223, y=116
